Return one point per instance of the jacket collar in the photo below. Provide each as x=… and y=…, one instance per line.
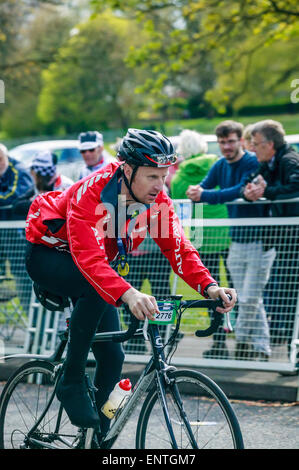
x=109, y=196
x=273, y=163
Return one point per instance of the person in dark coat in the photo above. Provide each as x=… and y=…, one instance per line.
x=15, y=181
x=278, y=178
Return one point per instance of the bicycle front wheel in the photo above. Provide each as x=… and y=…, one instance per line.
x=201, y=418
x=24, y=398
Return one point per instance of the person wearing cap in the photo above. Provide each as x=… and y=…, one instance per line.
x=46, y=178
x=15, y=181
x=78, y=248
x=91, y=147
x=45, y=175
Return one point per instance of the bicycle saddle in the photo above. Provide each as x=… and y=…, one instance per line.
x=49, y=300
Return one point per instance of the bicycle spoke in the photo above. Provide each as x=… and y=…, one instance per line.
x=21, y=414
x=26, y=399
x=201, y=418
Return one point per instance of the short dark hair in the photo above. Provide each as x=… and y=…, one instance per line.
x=228, y=127
x=272, y=131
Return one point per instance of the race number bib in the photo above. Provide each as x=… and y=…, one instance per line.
x=167, y=313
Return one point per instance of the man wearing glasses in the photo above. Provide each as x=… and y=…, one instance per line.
x=91, y=147
x=278, y=174
x=249, y=264
x=278, y=178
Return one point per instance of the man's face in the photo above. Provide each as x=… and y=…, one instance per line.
x=91, y=157
x=264, y=149
x=147, y=183
x=231, y=147
x=3, y=162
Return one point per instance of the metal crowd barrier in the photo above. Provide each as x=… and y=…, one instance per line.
x=263, y=266
x=266, y=320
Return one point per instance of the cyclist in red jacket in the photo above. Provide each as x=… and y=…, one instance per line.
x=78, y=243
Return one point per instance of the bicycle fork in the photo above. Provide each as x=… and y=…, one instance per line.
x=165, y=383
x=177, y=399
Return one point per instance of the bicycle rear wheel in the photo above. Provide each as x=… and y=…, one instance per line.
x=23, y=400
x=212, y=420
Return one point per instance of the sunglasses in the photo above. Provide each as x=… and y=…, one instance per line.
x=88, y=150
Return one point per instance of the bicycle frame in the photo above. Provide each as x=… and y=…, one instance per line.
x=156, y=371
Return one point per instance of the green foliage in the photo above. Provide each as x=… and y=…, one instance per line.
x=33, y=37
x=142, y=59
x=88, y=85
x=207, y=126
x=238, y=42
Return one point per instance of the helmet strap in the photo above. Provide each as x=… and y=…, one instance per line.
x=129, y=183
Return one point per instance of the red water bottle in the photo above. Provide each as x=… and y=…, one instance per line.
x=117, y=398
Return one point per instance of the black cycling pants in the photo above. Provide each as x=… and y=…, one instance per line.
x=56, y=271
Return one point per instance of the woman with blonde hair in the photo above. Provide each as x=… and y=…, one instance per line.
x=191, y=143
x=247, y=138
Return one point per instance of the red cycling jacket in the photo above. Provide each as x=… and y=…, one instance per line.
x=82, y=220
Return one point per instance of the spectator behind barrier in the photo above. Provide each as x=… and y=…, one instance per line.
x=91, y=147
x=247, y=138
x=193, y=169
x=46, y=178
x=248, y=263
x=278, y=177
x=14, y=182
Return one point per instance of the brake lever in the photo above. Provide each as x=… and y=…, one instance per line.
x=216, y=321
x=123, y=336
x=229, y=328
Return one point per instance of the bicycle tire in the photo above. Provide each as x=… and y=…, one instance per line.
x=22, y=401
x=200, y=396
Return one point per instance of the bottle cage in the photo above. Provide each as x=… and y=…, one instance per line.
x=49, y=300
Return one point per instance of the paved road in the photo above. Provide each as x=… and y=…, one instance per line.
x=268, y=425
x=271, y=425
x=263, y=425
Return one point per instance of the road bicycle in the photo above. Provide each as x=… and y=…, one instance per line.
x=178, y=408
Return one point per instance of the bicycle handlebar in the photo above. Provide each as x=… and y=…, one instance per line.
x=133, y=326
x=122, y=336
x=216, y=319
x=206, y=303
x=119, y=336
x=215, y=323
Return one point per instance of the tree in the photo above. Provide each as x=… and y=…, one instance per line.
x=229, y=35
x=88, y=86
x=31, y=33
x=16, y=18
